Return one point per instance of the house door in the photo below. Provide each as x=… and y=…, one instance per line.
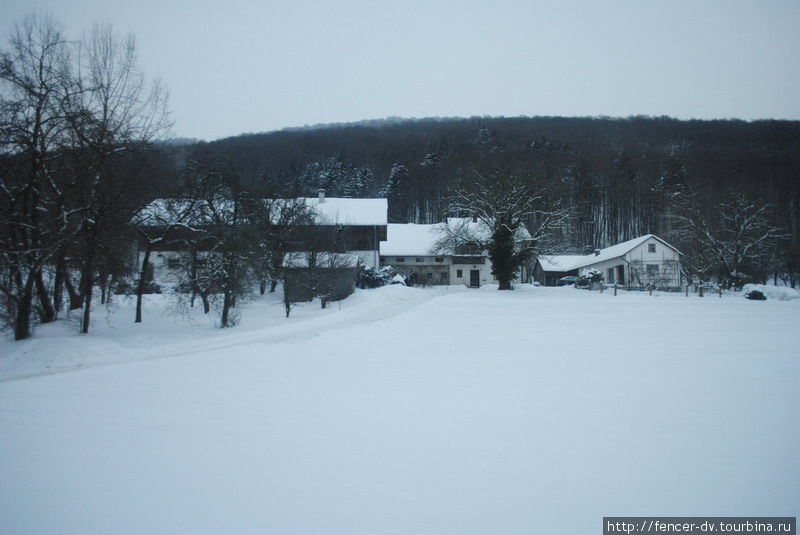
x=474, y=278
x=621, y=275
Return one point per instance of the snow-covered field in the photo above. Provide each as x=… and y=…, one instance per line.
x=405, y=411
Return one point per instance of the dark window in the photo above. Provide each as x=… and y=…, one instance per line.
x=430, y=276
x=383, y=259
x=400, y=259
x=418, y=260
x=459, y=273
x=651, y=247
x=443, y=277
x=439, y=259
x=173, y=263
x=652, y=270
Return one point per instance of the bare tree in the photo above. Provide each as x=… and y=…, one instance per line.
x=730, y=239
x=35, y=77
x=114, y=114
x=515, y=216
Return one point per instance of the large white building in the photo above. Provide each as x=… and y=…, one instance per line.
x=416, y=250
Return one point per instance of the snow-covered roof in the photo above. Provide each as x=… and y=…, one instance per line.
x=408, y=239
x=480, y=230
x=342, y=211
x=560, y=262
x=570, y=262
x=333, y=211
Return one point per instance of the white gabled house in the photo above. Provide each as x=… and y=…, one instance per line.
x=637, y=263
x=412, y=250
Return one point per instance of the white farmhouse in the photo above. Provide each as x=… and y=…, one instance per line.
x=411, y=250
x=637, y=263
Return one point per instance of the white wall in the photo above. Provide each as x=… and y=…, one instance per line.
x=638, y=258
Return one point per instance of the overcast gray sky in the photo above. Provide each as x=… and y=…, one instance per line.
x=255, y=66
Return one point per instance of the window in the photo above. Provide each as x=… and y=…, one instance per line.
x=418, y=260
x=652, y=270
x=430, y=276
x=443, y=277
x=439, y=259
x=173, y=263
x=651, y=247
x=383, y=259
x=459, y=273
x=400, y=259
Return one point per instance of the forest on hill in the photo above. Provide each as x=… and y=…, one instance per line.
x=621, y=177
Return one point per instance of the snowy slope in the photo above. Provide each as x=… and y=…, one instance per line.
x=409, y=411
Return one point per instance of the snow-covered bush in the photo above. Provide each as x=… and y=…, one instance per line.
x=398, y=279
x=370, y=277
x=776, y=293
x=589, y=279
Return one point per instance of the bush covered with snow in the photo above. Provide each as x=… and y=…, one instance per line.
x=777, y=293
x=589, y=279
x=370, y=277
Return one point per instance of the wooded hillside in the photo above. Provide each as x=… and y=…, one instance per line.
x=619, y=175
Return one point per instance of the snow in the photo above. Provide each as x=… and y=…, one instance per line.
x=404, y=410
x=343, y=211
x=561, y=262
x=480, y=230
x=410, y=239
x=332, y=211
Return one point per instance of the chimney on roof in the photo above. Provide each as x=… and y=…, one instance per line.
x=321, y=195
x=596, y=252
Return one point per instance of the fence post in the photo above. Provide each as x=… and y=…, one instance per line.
x=615, y=288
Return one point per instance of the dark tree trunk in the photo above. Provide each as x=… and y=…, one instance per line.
x=226, y=308
x=22, y=325
x=262, y=287
x=272, y=285
x=88, y=286
x=58, y=285
x=48, y=312
x=75, y=297
x=140, y=286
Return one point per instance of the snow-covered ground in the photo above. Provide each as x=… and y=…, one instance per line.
x=404, y=411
